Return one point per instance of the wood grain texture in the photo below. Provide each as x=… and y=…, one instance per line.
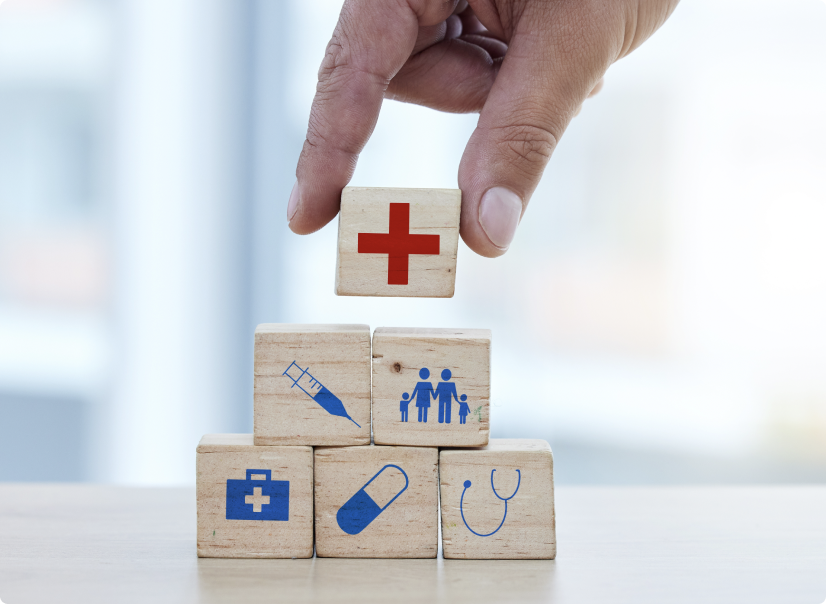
x=338, y=356
x=367, y=210
x=399, y=354
x=529, y=527
x=223, y=457
x=407, y=528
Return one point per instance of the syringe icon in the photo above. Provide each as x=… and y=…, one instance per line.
x=316, y=391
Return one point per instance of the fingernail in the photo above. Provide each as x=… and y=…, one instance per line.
x=499, y=213
x=295, y=197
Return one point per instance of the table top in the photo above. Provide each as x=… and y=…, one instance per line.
x=86, y=543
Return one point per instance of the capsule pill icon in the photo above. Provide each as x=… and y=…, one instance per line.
x=362, y=508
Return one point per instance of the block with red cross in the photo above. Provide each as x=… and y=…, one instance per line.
x=398, y=242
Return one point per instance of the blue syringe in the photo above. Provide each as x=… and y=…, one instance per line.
x=317, y=391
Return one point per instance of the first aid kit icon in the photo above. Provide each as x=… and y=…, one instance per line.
x=258, y=499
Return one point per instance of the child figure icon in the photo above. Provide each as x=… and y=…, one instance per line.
x=403, y=404
x=464, y=409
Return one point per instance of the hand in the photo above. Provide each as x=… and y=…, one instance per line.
x=526, y=65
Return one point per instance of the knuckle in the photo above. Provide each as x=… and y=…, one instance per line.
x=344, y=59
x=527, y=147
x=336, y=55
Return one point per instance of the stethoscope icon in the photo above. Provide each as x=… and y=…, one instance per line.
x=505, y=499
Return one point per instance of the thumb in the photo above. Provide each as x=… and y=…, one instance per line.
x=551, y=66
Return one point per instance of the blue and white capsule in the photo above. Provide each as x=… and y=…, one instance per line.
x=360, y=510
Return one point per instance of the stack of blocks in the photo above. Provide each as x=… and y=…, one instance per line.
x=311, y=475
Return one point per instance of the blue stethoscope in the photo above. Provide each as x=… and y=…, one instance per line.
x=505, y=499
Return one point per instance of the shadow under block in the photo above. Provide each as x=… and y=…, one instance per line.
x=312, y=384
x=253, y=502
x=376, y=502
x=476, y=523
x=398, y=242
x=400, y=355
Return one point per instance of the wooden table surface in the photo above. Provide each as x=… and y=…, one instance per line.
x=82, y=543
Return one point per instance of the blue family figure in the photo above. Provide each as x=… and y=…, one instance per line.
x=423, y=392
x=464, y=409
x=403, y=405
x=446, y=392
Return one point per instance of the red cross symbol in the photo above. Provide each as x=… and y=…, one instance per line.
x=398, y=244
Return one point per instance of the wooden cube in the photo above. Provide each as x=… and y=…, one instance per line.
x=312, y=384
x=376, y=502
x=498, y=501
x=253, y=502
x=398, y=242
x=431, y=387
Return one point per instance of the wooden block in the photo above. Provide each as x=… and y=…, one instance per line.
x=398, y=242
x=253, y=502
x=312, y=384
x=411, y=366
x=376, y=502
x=477, y=522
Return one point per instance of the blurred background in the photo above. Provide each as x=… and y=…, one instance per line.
x=660, y=318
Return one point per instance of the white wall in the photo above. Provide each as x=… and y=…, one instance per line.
x=179, y=231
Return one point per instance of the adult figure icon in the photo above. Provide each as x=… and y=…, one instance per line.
x=422, y=393
x=446, y=392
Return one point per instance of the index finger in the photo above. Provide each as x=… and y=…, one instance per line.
x=370, y=44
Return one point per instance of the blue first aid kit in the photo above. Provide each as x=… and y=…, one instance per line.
x=250, y=499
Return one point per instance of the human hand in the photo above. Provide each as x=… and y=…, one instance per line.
x=526, y=65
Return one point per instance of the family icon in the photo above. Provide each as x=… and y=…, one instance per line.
x=445, y=392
